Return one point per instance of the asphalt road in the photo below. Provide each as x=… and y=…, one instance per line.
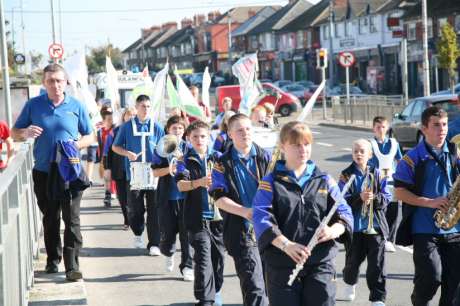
x=117, y=274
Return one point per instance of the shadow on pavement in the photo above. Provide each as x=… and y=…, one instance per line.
x=59, y=302
x=408, y=277
x=102, y=227
x=132, y=278
x=341, y=158
x=112, y=252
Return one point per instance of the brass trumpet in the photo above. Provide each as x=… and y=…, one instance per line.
x=217, y=216
x=368, y=208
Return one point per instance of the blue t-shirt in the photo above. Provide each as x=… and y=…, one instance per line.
x=67, y=121
x=125, y=138
x=174, y=193
x=435, y=183
x=384, y=148
x=246, y=175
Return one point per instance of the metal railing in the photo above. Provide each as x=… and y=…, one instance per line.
x=364, y=109
x=20, y=228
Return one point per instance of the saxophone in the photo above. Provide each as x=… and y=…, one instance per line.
x=450, y=218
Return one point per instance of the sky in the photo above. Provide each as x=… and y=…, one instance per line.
x=92, y=23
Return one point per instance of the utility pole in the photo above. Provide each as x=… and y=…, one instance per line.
x=229, y=41
x=23, y=38
x=60, y=22
x=53, y=29
x=5, y=72
x=426, y=65
x=331, y=46
x=405, y=79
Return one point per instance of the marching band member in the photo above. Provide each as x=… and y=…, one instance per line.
x=368, y=194
x=235, y=180
x=128, y=143
x=171, y=206
x=423, y=179
x=223, y=142
x=386, y=154
x=205, y=230
x=289, y=205
x=116, y=164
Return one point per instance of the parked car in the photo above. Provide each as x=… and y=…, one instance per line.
x=296, y=90
x=448, y=91
x=341, y=90
x=306, y=84
x=196, y=79
x=406, y=125
x=266, y=81
x=286, y=104
x=281, y=83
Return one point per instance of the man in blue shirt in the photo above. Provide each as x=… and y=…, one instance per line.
x=423, y=179
x=235, y=179
x=128, y=143
x=49, y=118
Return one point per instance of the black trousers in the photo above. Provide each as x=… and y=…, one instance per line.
x=316, y=288
x=51, y=211
x=122, y=196
x=209, y=249
x=138, y=200
x=393, y=215
x=171, y=223
x=372, y=247
x=248, y=266
x=436, y=260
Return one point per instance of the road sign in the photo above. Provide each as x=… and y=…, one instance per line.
x=19, y=59
x=346, y=59
x=56, y=51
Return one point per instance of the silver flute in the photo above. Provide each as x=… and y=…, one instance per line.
x=314, y=239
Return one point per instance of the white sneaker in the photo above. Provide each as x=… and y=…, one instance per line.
x=138, y=242
x=349, y=292
x=218, y=299
x=188, y=274
x=169, y=263
x=378, y=303
x=389, y=247
x=154, y=251
x=113, y=196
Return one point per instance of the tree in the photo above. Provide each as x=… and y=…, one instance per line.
x=96, y=59
x=36, y=59
x=449, y=52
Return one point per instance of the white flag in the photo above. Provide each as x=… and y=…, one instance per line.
x=187, y=100
x=245, y=69
x=205, y=88
x=77, y=74
x=111, y=90
x=158, y=96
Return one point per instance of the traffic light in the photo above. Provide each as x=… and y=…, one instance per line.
x=321, y=58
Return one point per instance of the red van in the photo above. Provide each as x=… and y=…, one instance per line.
x=286, y=105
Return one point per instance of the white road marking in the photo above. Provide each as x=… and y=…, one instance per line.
x=324, y=144
x=406, y=249
x=315, y=132
x=347, y=149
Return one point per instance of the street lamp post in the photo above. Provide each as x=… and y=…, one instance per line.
x=5, y=72
x=426, y=65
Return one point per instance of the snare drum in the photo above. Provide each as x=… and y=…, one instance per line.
x=141, y=176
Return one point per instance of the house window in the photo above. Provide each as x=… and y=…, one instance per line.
x=254, y=42
x=299, y=40
x=337, y=29
x=429, y=29
x=268, y=41
x=411, y=31
x=441, y=23
x=188, y=48
x=308, y=37
x=373, y=24
x=363, y=25
x=325, y=32
x=346, y=29
x=457, y=24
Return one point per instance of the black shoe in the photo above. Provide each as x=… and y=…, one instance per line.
x=73, y=275
x=51, y=268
